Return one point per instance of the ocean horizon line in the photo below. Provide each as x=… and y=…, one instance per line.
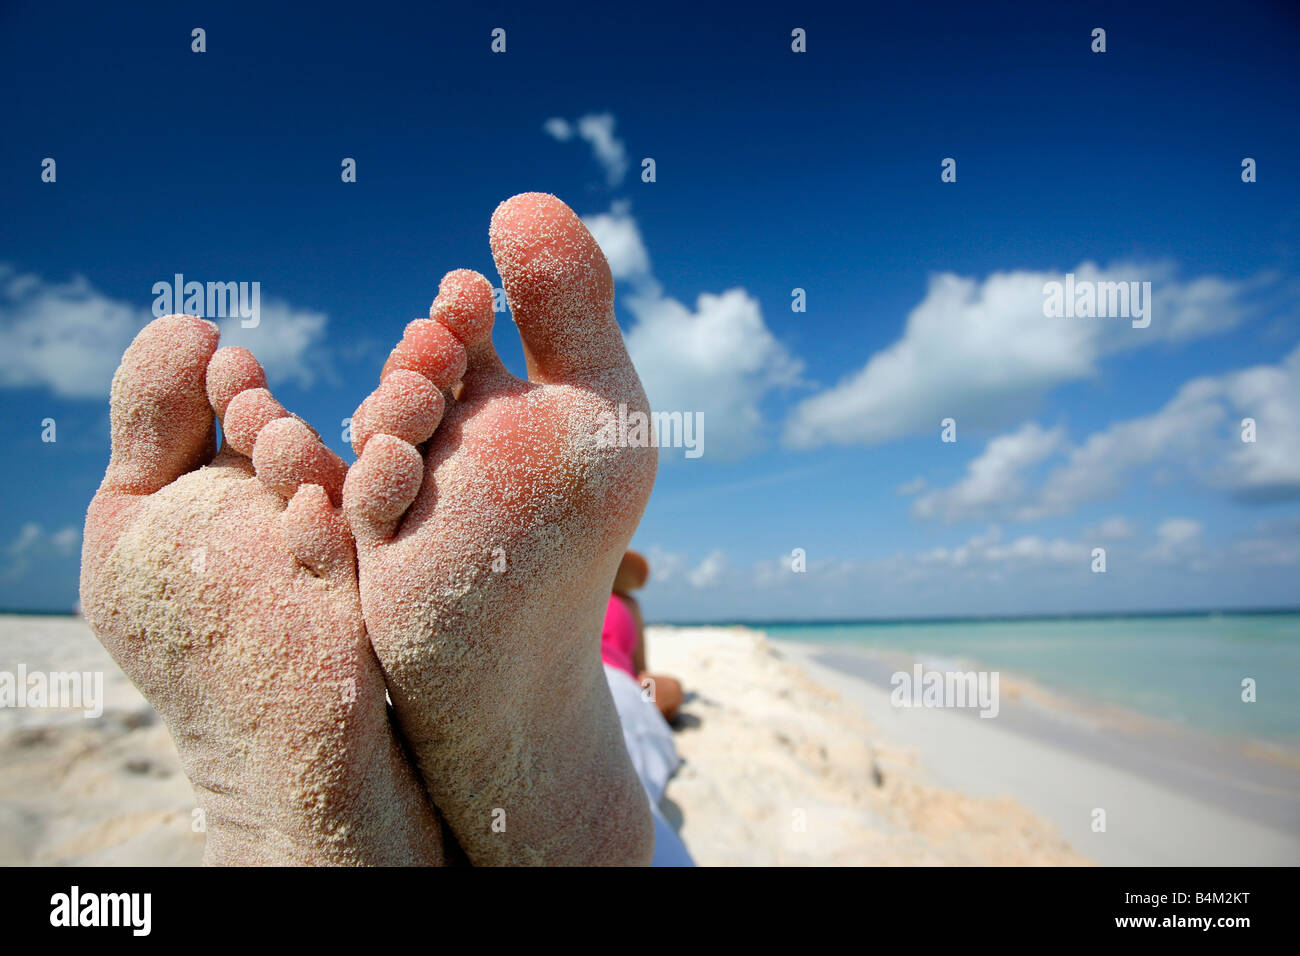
x=876, y=621
x=976, y=618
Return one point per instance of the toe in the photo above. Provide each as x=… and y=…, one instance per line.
x=431, y=350
x=162, y=424
x=317, y=533
x=406, y=405
x=559, y=286
x=285, y=452
x=465, y=306
x=381, y=486
x=288, y=454
x=247, y=414
x=231, y=371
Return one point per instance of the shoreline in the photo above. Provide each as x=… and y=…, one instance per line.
x=1172, y=796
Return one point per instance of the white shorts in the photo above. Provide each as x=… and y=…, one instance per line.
x=649, y=742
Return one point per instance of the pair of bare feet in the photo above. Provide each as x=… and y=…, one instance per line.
x=265, y=597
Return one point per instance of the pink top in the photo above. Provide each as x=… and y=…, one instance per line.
x=618, y=636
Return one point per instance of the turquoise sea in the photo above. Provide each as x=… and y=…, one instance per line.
x=1184, y=668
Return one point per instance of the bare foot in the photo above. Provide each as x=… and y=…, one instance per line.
x=226, y=589
x=486, y=562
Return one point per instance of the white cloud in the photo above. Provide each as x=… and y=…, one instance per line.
x=1179, y=530
x=1196, y=433
x=719, y=358
x=598, y=131
x=1268, y=468
x=618, y=236
x=989, y=572
x=709, y=571
x=983, y=352
x=1100, y=466
x=69, y=337
x=288, y=342
x=66, y=540
x=913, y=487
x=558, y=128
x=1114, y=528
x=995, y=479
x=63, y=336
x=665, y=567
x=987, y=549
x=28, y=538
x=1178, y=540
x=34, y=542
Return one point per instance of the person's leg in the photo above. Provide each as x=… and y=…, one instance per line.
x=226, y=590
x=666, y=692
x=487, y=560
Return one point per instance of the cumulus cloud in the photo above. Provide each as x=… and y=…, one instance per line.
x=1269, y=467
x=288, y=342
x=709, y=571
x=597, y=129
x=64, y=336
x=718, y=358
x=1197, y=433
x=68, y=337
x=619, y=237
x=994, y=478
x=988, y=548
x=666, y=567
x=984, y=352
x=674, y=570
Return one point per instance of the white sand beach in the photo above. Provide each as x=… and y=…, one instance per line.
x=1170, y=798
x=787, y=761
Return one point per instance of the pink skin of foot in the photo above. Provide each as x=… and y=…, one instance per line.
x=486, y=559
x=226, y=589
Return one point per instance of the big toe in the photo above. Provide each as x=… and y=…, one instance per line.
x=162, y=424
x=559, y=287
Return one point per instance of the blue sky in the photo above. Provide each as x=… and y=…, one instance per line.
x=775, y=171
